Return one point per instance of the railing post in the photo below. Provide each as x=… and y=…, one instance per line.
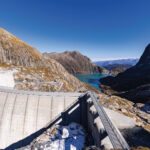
x=83, y=110
x=64, y=118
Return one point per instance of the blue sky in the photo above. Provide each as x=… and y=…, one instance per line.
x=100, y=29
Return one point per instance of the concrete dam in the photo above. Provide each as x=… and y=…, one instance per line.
x=24, y=115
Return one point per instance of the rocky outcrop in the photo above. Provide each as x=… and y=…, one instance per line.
x=59, y=137
x=137, y=111
x=76, y=63
x=35, y=71
x=135, y=136
x=134, y=83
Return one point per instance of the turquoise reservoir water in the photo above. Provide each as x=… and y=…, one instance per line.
x=91, y=79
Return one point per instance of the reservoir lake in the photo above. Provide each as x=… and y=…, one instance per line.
x=91, y=79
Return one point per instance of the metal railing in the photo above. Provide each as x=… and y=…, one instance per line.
x=114, y=134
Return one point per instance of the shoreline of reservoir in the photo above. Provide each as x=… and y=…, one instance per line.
x=91, y=79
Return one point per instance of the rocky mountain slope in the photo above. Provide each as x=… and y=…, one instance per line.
x=134, y=83
x=16, y=52
x=75, y=63
x=35, y=71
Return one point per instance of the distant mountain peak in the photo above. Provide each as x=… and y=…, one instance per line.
x=76, y=63
x=129, y=61
x=113, y=59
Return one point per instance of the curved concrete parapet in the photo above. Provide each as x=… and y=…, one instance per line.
x=24, y=113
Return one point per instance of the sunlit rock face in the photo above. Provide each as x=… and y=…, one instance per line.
x=134, y=83
x=17, y=52
x=76, y=63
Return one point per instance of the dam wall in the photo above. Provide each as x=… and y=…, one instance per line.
x=24, y=114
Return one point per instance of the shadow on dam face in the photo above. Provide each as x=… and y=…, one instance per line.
x=76, y=112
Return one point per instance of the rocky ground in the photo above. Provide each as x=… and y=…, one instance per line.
x=71, y=137
x=138, y=111
x=139, y=135
x=40, y=79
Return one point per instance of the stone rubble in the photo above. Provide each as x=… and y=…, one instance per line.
x=71, y=137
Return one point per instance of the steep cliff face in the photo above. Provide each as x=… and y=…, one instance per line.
x=33, y=66
x=134, y=83
x=76, y=63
